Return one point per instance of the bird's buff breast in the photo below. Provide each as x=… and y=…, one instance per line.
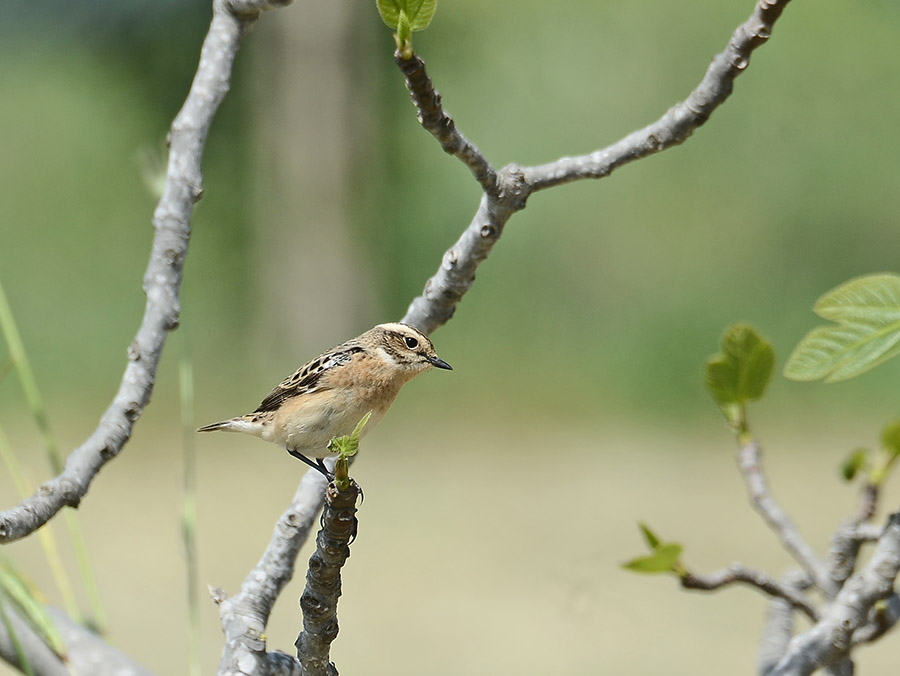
x=307, y=424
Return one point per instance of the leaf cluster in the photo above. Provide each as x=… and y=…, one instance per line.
x=740, y=372
x=406, y=16
x=664, y=557
x=866, y=332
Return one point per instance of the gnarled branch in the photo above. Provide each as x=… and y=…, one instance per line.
x=162, y=280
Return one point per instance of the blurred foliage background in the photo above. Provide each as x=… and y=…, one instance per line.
x=577, y=353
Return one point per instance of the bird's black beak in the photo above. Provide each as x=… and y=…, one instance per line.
x=440, y=363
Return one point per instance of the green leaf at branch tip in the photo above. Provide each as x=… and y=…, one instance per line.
x=854, y=463
x=664, y=559
x=890, y=439
x=867, y=332
x=416, y=14
x=741, y=371
x=651, y=538
x=348, y=445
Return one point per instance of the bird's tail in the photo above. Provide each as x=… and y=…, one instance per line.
x=222, y=425
x=248, y=424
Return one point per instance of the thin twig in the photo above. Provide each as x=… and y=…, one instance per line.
x=440, y=125
x=681, y=120
x=513, y=185
x=749, y=461
x=737, y=572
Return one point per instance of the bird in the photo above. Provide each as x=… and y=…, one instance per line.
x=329, y=395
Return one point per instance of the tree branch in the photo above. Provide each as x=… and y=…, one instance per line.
x=680, y=120
x=162, y=281
x=510, y=190
x=749, y=461
x=779, y=624
x=440, y=125
x=736, y=572
x=830, y=640
x=323, y=581
x=244, y=616
x=504, y=193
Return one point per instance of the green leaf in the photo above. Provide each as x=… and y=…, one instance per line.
x=664, y=559
x=390, y=11
x=348, y=445
x=867, y=312
x=854, y=463
x=741, y=372
x=890, y=439
x=650, y=537
x=420, y=13
x=404, y=32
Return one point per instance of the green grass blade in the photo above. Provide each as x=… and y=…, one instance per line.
x=20, y=362
x=26, y=377
x=14, y=639
x=45, y=534
x=189, y=505
x=21, y=596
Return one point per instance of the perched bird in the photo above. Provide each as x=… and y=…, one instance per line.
x=328, y=396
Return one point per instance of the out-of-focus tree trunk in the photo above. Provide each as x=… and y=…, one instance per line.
x=306, y=142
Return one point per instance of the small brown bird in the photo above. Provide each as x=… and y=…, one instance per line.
x=327, y=397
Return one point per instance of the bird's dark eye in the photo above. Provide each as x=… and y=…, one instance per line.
x=411, y=342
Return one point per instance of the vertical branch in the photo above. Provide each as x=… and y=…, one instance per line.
x=749, y=461
x=162, y=280
x=323, y=580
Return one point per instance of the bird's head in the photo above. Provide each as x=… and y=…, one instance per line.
x=407, y=348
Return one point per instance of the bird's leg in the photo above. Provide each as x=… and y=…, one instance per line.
x=318, y=465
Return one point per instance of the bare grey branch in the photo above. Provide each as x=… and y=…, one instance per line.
x=162, y=282
x=440, y=125
x=508, y=193
x=830, y=640
x=244, y=616
x=749, y=461
x=680, y=120
x=779, y=624
x=737, y=572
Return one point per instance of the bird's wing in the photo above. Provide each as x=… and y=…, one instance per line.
x=306, y=379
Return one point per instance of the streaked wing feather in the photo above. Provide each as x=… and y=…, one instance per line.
x=306, y=378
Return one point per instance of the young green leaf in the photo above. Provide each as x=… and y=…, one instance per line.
x=348, y=445
x=854, y=463
x=741, y=371
x=390, y=11
x=664, y=559
x=890, y=439
x=867, y=312
x=418, y=13
x=650, y=537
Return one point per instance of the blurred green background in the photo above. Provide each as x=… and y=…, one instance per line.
x=576, y=405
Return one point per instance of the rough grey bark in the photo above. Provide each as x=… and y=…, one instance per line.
x=162, y=280
x=506, y=191
x=830, y=641
x=323, y=580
